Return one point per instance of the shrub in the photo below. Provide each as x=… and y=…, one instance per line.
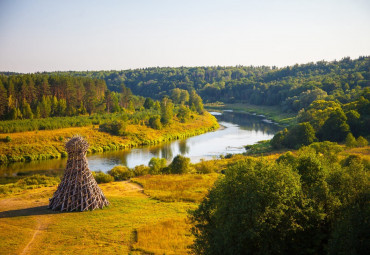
x=205, y=167
x=361, y=142
x=120, y=173
x=155, y=122
x=8, y=139
x=156, y=165
x=101, y=177
x=350, y=141
x=180, y=165
x=116, y=127
x=141, y=170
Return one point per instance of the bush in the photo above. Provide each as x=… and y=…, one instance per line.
x=120, y=173
x=116, y=127
x=101, y=177
x=205, y=167
x=180, y=165
x=156, y=165
x=141, y=170
x=155, y=122
x=361, y=142
x=8, y=139
x=350, y=141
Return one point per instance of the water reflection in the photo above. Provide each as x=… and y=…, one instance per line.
x=237, y=130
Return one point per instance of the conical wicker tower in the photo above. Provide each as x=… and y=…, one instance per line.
x=78, y=190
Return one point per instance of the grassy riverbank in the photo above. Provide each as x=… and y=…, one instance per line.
x=48, y=144
x=271, y=112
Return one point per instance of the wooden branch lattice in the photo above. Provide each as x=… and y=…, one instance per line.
x=78, y=190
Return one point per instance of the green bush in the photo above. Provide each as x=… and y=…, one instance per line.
x=120, y=173
x=180, y=165
x=8, y=139
x=141, y=170
x=156, y=165
x=101, y=177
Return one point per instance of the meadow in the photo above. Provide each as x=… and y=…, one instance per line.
x=134, y=223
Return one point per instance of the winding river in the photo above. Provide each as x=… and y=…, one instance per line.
x=237, y=130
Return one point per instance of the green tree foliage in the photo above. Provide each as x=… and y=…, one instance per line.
x=120, y=173
x=166, y=111
x=196, y=102
x=179, y=165
x=156, y=165
x=149, y=103
x=351, y=141
x=361, y=142
x=3, y=100
x=155, y=122
x=183, y=113
x=335, y=128
x=304, y=204
x=116, y=127
x=295, y=137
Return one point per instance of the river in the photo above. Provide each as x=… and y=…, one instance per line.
x=237, y=130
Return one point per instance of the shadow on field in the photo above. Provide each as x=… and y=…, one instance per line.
x=39, y=210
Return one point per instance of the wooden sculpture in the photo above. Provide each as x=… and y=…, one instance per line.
x=78, y=190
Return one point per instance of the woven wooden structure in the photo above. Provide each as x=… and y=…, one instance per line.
x=78, y=190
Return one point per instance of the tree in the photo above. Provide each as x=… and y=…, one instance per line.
x=166, y=111
x=183, y=113
x=26, y=110
x=350, y=141
x=255, y=209
x=155, y=122
x=361, y=142
x=179, y=165
x=156, y=165
x=3, y=100
x=300, y=135
x=196, y=102
x=335, y=128
x=149, y=103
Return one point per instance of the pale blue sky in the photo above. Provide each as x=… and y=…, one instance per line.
x=46, y=35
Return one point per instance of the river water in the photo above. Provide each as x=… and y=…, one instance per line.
x=237, y=130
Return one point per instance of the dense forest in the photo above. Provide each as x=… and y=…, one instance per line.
x=291, y=87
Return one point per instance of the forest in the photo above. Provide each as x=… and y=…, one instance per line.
x=291, y=88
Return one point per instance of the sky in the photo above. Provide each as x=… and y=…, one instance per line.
x=78, y=35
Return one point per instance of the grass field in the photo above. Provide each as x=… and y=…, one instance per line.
x=134, y=223
x=46, y=144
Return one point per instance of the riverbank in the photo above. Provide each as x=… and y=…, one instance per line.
x=272, y=113
x=49, y=144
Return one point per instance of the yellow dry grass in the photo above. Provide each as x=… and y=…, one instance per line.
x=134, y=223
x=185, y=187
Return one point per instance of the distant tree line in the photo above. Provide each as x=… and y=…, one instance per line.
x=292, y=88
x=42, y=95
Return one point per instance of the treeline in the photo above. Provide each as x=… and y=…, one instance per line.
x=308, y=203
x=329, y=121
x=33, y=96
x=292, y=88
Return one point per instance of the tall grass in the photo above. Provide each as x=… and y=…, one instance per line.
x=171, y=188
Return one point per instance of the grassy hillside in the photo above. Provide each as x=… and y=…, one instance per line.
x=46, y=144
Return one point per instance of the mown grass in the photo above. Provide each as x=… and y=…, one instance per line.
x=133, y=224
x=171, y=188
x=49, y=144
x=273, y=113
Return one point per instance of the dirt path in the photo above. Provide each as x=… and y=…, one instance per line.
x=42, y=224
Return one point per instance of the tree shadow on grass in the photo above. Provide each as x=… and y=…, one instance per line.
x=33, y=211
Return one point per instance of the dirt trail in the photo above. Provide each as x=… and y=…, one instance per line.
x=42, y=224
